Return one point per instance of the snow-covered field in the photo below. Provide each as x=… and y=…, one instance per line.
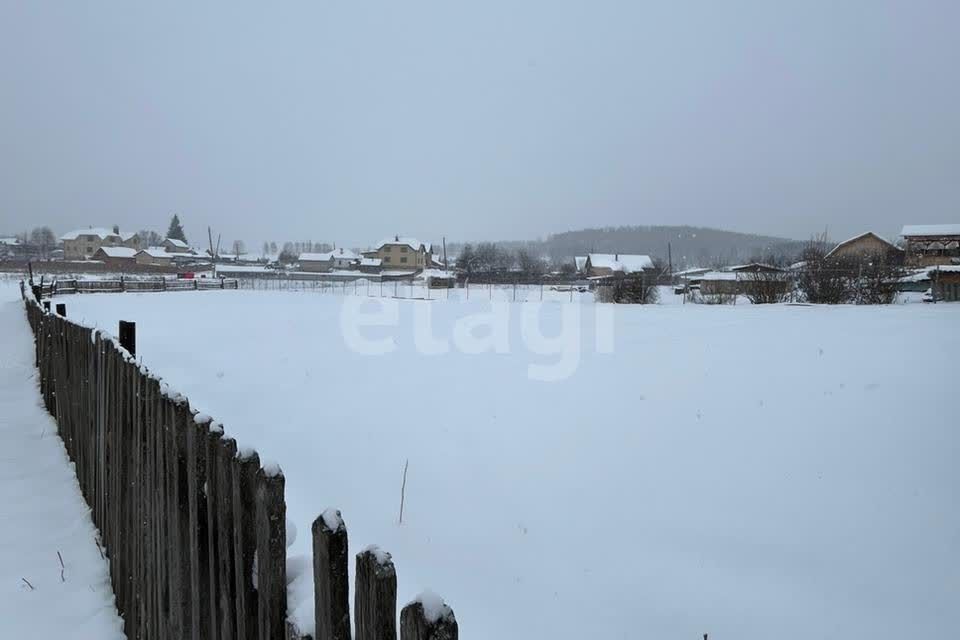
x=661, y=471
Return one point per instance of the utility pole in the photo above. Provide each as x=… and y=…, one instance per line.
x=670, y=261
x=445, y=265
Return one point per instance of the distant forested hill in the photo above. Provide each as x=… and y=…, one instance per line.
x=691, y=246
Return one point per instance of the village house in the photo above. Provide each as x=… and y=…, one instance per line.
x=580, y=263
x=402, y=253
x=115, y=257
x=604, y=265
x=945, y=282
x=865, y=245
x=370, y=265
x=174, y=245
x=155, y=256
x=82, y=244
x=932, y=244
x=9, y=247
x=740, y=278
x=336, y=260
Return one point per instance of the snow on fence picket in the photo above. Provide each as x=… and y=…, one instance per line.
x=194, y=526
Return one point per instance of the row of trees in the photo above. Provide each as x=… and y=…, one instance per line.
x=487, y=258
x=867, y=279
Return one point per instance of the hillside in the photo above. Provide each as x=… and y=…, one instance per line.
x=691, y=246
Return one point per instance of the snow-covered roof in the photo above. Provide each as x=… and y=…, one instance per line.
x=397, y=273
x=694, y=271
x=436, y=273
x=118, y=252
x=580, y=262
x=914, y=230
x=753, y=266
x=99, y=232
x=314, y=257
x=624, y=262
x=157, y=252
x=177, y=243
x=413, y=243
x=370, y=262
x=721, y=275
x=339, y=254
x=9, y=241
x=860, y=237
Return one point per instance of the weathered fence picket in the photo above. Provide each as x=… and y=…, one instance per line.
x=375, y=596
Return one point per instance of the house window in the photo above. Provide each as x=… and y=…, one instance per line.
x=403, y=259
x=386, y=258
x=387, y=248
x=403, y=249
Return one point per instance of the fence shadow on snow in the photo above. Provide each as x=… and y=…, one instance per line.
x=186, y=516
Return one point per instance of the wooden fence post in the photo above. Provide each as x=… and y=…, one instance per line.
x=196, y=434
x=375, y=596
x=428, y=618
x=128, y=336
x=244, y=479
x=271, y=571
x=331, y=582
x=225, y=452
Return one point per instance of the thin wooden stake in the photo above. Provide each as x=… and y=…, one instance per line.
x=403, y=488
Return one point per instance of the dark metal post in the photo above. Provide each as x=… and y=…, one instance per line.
x=128, y=336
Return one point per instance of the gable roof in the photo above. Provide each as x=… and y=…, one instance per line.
x=913, y=230
x=580, y=262
x=117, y=252
x=339, y=254
x=157, y=252
x=100, y=232
x=861, y=237
x=413, y=243
x=624, y=262
x=177, y=242
x=753, y=267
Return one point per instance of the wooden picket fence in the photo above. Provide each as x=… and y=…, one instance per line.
x=194, y=527
x=49, y=288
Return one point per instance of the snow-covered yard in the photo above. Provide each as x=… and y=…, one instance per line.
x=747, y=472
x=54, y=580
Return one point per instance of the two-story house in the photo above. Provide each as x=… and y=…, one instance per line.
x=82, y=244
x=932, y=244
x=399, y=253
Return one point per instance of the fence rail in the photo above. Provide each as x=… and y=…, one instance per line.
x=120, y=285
x=195, y=527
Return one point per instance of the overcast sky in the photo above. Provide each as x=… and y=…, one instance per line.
x=494, y=119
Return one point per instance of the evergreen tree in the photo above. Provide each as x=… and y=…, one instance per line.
x=175, y=232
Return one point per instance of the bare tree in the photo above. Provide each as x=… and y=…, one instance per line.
x=239, y=248
x=149, y=238
x=821, y=280
x=769, y=287
x=878, y=278
x=43, y=241
x=639, y=288
x=530, y=265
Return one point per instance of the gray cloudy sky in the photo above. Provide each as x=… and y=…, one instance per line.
x=348, y=121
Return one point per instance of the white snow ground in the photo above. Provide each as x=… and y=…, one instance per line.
x=42, y=511
x=746, y=472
